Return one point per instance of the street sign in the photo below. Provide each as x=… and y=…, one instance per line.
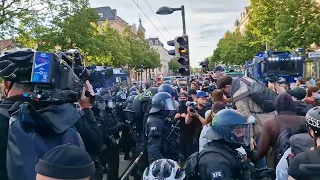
x=314, y=54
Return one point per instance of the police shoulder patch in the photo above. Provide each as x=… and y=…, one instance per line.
x=217, y=174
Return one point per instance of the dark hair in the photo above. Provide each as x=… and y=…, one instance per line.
x=311, y=90
x=217, y=95
x=218, y=106
x=301, y=80
x=223, y=81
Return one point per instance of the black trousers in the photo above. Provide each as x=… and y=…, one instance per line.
x=110, y=156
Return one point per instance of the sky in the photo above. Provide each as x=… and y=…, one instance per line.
x=206, y=21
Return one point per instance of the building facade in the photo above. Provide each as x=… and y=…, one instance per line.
x=242, y=21
x=110, y=15
x=156, y=44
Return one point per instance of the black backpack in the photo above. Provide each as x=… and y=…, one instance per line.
x=261, y=95
x=191, y=166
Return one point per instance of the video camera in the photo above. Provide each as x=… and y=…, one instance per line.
x=192, y=105
x=272, y=78
x=55, y=77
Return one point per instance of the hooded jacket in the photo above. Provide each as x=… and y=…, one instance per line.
x=286, y=118
x=301, y=107
x=245, y=105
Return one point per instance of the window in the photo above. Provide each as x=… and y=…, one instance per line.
x=100, y=14
x=150, y=43
x=156, y=42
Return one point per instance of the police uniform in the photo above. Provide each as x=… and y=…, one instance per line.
x=219, y=158
x=218, y=163
x=159, y=127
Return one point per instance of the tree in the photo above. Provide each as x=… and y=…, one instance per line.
x=233, y=49
x=297, y=24
x=174, y=65
x=261, y=27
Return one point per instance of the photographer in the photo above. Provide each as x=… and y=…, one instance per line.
x=41, y=121
x=195, y=117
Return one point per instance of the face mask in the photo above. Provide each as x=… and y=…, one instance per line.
x=110, y=104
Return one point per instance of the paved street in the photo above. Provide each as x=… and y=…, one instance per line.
x=123, y=165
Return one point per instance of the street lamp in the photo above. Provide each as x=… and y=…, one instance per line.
x=167, y=10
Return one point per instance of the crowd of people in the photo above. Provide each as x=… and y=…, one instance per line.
x=219, y=127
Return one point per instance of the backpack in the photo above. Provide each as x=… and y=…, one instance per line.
x=261, y=95
x=282, y=144
x=191, y=166
x=33, y=134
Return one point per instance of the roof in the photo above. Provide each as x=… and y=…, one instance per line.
x=236, y=23
x=6, y=44
x=141, y=28
x=107, y=13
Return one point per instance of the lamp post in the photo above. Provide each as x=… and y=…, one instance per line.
x=167, y=10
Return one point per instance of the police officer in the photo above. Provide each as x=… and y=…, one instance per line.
x=173, y=92
x=219, y=158
x=112, y=151
x=142, y=105
x=158, y=128
x=98, y=107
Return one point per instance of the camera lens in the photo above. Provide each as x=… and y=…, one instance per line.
x=192, y=110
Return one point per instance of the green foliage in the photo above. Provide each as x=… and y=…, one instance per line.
x=174, y=65
x=297, y=24
x=233, y=49
x=73, y=24
x=284, y=24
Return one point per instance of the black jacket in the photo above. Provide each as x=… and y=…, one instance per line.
x=4, y=126
x=159, y=145
x=218, y=162
x=88, y=129
x=111, y=122
x=301, y=107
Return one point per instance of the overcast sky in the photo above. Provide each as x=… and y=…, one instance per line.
x=206, y=20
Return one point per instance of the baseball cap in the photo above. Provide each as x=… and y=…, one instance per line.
x=192, y=91
x=202, y=94
x=298, y=93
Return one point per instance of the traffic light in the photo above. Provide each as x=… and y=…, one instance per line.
x=181, y=44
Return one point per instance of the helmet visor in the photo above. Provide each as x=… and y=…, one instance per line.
x=169, y=104
x=238, y=134
x=111, y=104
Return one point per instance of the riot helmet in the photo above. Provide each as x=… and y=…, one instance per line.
x=231, y=126
x=218, y=69
x=120, y=96
x=154, y=90
x=313, y=121
x=109, y=101
x=133, y=93
x=167, y=88
x=99, y=102
x=133, y=88
x=162, y=101
x=165, y=169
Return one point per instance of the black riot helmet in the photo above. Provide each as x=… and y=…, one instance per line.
x=167, y=88
x=99, y=102
x=162, y=101
x=231, y=126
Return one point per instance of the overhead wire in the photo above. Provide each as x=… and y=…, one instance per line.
x=149, y=20
x=156, y=16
